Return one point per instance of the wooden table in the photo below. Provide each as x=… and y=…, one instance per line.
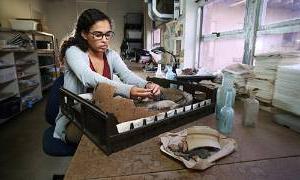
x=268, y=151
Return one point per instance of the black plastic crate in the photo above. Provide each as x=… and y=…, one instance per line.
x=46, y=60
x=101, y=127
x=10, y=107
x=41, y=44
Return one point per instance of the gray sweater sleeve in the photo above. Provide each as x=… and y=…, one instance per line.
x=124, y=73
x=77, y=60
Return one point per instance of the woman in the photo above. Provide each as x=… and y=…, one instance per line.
x=89, y=61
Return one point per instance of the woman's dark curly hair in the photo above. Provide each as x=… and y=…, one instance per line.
x=87, y=19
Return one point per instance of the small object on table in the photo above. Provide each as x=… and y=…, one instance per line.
x=203, y=152
x=251, y=108
x=226, y=115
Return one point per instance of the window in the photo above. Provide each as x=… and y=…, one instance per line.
x=222, y=39
x=156, y=37
x=275, y=11
x=272, y=26
x=285, y=42
x=279, y=29
x=217, y=54
x=223, y=15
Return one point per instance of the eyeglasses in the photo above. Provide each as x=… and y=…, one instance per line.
x=99, y=35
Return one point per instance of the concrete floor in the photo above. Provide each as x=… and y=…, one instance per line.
x=21, y=154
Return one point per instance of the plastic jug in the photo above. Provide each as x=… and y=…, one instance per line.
x=251, y=108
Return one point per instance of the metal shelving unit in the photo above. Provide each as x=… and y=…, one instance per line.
x=45, y=48
x=133, y=32
x=25, y=71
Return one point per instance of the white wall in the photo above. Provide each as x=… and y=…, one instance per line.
x=59, y=16
x=62, y=16
x=189, y=37
x=147, y=29
x=10, y=9
x=117, y=10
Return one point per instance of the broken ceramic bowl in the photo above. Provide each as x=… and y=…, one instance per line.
x=226, y=145
x=202, y=136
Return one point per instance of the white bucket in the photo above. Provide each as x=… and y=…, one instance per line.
x=25, y=25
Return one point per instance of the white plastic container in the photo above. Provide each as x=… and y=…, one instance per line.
x=134, y=34
x=251, y=108
x=25, y=25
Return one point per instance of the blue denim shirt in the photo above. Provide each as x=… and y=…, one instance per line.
x=78, y=76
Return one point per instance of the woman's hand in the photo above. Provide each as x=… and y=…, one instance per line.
x=151, y=91
x=136, y=92
x=155, y=89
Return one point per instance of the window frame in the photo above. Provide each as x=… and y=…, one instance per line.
x=251, y=29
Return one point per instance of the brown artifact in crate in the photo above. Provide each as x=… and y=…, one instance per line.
x=122, y=108
x=112, y=134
